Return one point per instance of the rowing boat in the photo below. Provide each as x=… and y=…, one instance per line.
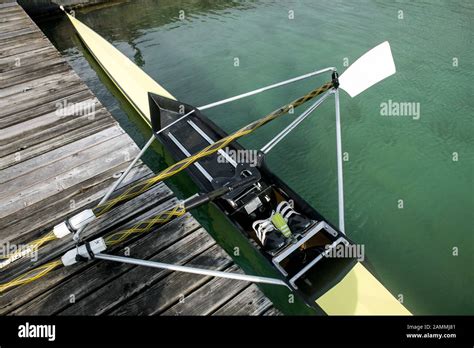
x=292, y=235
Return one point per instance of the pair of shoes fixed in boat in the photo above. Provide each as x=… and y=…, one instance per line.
x=281, y=226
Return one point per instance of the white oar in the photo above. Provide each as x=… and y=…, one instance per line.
x=374, y=66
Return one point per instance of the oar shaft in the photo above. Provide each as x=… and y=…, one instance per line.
x=193, y=270
x=340, y=183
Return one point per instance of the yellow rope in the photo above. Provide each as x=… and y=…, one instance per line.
x=28, y=250
x=145, y=226
x=31, y=275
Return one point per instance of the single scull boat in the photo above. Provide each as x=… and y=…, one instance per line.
x=337, y=285
x=296, y=240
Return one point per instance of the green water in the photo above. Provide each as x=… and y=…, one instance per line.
x=389, y=158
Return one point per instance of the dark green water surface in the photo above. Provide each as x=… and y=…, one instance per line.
x=423, y=250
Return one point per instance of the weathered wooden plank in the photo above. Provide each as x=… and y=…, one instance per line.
x=28, y=89
x=11, y=15
x=22, y=167
x=74, y=96
x=251, y=301
x=19, y=36
x=272, y=311
x=55, y=131
x=41, y=105
x=14, y=70
x=64, y=180
x=27, y=59
x=27, y=66
x=7, y=18
x=44, y=123
x=176, y=286
x=97, y=152
x=44, y=215
x=8, y=26
x=47, y=126
x=23, y=44
x=6, y=4
x=19, y=103
x=209, y=297
x=45, y=200
x=120, y=289
x=72, y=280
x=9, y=5
x=6, y=11
x=4, y=18
x=65, y=137
x=10, y=10
x=28, y=71
x=47, y=68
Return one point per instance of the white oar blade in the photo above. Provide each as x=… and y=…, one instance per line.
x=372, y=67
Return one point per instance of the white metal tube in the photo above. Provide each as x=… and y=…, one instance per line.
x=194, y=270
x=340, y=183
x=267, y=147
x=263, y=89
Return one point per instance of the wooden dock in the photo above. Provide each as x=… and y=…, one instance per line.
x=54, y=165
